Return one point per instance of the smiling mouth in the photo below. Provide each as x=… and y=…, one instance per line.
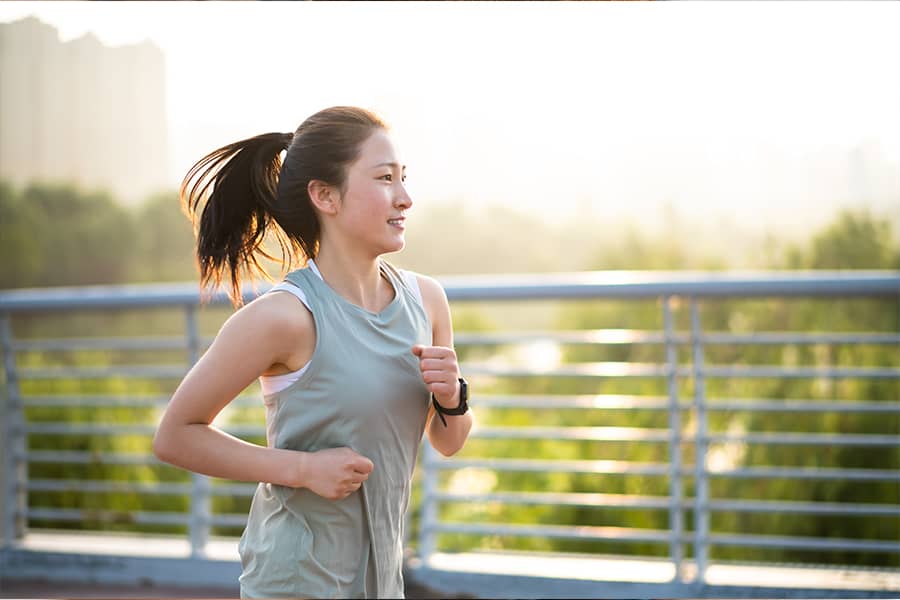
x=397, y=222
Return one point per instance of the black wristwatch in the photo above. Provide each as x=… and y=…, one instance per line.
x=463, y=407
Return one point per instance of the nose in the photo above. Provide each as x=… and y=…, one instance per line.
x=403, y=199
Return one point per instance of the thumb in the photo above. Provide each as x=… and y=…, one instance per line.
x=363, y=465
x=417, y=349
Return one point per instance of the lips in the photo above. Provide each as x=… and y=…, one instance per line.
x=398, y=222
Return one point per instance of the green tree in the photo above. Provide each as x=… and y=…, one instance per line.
x=60, y=235
x=165, y=242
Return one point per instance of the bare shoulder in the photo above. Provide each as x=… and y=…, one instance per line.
x=438, y=308
x=433, y=295
x=277, y=316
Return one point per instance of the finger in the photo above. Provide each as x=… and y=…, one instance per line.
x=363, y=465
x=417, y=349
x=439, y=376
x=436, y=364
x=434, y=352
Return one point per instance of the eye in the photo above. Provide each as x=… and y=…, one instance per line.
x=387, y=177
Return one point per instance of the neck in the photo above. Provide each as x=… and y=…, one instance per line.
x=357, y=280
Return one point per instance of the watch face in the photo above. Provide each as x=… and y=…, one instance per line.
x=463, y=390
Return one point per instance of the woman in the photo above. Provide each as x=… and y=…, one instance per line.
x=354, y=356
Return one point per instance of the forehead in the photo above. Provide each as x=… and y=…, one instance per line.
x=379, y=148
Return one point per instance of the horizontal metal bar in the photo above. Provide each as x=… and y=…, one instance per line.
x=106, y=401
x=229, y=520
x=664, y=502
x=581, y=532
x=821, y=508
x=233, y=489
x=605, y=401
x=524, y=465
x=617, y=402
x=109, y=516
x=638, y=336
x=807, y=439
x=122, y=401
x=553, y=466
x=637, y=284
x=635, y=468
x=57, y=428
x=798, y=372
x=806, y=473
x=530, y=498
x=129, y=372
x=592, y=369
x=583, y=285
x=567, y=337
x=80, y=485
x=561, y=499
x=773, y=541
x=751, y=405
x=88, y=429
x=798, y=338
x=162, y=488
x=574, y=433
x=584, y=336
x=98, y=343
x=588, y=369
x=624, y=534
x=89, y=458
x=631, y=369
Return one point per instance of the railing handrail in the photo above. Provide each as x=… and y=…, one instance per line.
x=587, y=284
x=683, y=472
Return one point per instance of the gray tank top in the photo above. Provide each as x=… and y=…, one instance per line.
x=363, y=389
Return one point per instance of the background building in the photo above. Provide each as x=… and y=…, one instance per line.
x=82, y=112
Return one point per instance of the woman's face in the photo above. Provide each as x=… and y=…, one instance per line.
x=374, y=202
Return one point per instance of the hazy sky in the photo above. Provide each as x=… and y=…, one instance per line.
x=772, y=113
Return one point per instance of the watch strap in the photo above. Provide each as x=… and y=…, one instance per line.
x=461, y=409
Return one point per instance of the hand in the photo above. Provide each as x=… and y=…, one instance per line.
x=335, y=473
x=440, y=372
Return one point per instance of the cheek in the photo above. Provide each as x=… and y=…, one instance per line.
x=369, y=205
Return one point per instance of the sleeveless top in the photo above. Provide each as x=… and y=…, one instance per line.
x=364, y=390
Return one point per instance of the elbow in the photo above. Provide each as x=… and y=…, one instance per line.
x=162, y=446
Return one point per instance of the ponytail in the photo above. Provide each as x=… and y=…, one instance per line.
x=233, y=221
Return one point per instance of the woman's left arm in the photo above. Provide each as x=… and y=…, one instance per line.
x=440, y=371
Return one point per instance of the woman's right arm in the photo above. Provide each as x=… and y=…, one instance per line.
x=262, y=334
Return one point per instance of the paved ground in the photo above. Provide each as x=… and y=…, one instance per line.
x=36, y=589
x=41, y=590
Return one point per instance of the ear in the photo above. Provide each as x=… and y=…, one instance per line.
x=323, y=196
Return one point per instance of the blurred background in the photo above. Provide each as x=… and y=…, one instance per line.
x=538, y=138
x=558, y=136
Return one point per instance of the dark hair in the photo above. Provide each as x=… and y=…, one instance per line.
x=241, y=194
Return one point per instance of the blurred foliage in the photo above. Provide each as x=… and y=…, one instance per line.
x=55, y=234
x=58, y=235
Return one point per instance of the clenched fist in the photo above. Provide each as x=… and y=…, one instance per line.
x=440, y=372
x=335, y=473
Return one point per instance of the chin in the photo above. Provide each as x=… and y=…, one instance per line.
x=397, y=246
x=391, y=248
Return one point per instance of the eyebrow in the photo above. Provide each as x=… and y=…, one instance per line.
x=390, y=164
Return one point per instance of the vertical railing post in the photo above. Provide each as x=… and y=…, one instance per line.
x=701, y=483
x=676, y=487
x=15, y=465
x=200, y=488
x=428, y=521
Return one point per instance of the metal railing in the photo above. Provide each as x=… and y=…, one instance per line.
x=684, y=374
